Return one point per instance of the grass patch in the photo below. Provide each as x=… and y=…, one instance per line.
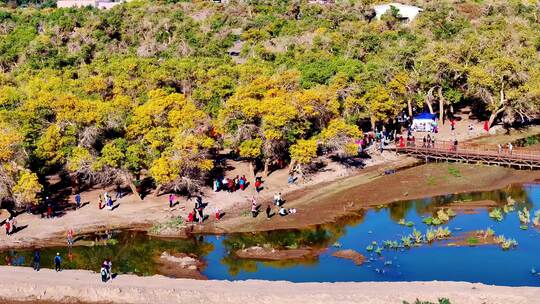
x=472, y=240
x=174, y=223
x=454, y=171
x=431, y=181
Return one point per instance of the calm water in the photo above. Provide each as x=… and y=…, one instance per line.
x=135, y=253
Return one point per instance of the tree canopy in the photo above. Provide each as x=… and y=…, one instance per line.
x=149, y=88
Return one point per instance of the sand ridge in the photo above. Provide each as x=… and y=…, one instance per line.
x=23, y=284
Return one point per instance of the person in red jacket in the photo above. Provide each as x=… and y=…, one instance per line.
x=258, y=184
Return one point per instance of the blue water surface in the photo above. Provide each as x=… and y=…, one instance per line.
x=487, y=264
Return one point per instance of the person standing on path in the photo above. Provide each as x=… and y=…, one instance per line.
x=100, y=202
x=171, y=200
x=510, y=148
x=8, y=227
x=258, y=184
x=78, y=200
x=57, y=262
x=254, y=210
x=37, y=259
x=268, y=210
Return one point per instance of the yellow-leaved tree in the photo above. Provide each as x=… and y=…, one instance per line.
x=26, y=189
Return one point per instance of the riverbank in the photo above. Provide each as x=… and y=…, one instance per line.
x=131, y=213
x=326, y=203
x=332, y=195
x=80, y=286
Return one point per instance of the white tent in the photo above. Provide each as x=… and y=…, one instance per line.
x=423, y=122
x=406, y=11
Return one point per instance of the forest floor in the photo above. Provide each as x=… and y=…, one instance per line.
x=23, y=285
x=334, y=191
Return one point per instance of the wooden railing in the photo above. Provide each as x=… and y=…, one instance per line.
x=475, y=152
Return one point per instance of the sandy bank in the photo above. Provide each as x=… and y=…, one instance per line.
x=328, y=202
x=72, y=286
x=270, y=254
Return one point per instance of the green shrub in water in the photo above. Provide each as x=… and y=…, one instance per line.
x=418, y=237
x=443, y=233
x=409, y=224
x=536, y=220
x=508, y=208
x=496, y=214
x=489, y=232
x=401, y=222
x=441, y=215
x=369, y=248
x=524, y=216
x=432, y=221
x=406, y=240
x=505, y=243
x=379, y=250
x=431, y=234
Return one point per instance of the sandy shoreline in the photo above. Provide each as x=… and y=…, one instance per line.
x=325, y=200
x=326, y=203
x=80, y=286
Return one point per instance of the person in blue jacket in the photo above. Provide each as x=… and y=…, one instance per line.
x=57, y=261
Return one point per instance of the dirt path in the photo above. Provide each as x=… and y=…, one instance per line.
x=79, y=286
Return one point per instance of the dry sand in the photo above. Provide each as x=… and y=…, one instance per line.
x=79, y=286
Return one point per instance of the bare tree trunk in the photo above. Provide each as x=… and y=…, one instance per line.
x=373, y=121
x=252, y=169
x=409, y=107
x=494, y=115
x=428, y=99
x=441, y=106
x=266, y=166
x=129, y=180
x=158, y=190
x=291, y=165
x=501, y=109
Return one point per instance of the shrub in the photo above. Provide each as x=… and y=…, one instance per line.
x=496, y=214
x=524, y=216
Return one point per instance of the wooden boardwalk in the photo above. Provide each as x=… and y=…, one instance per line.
x=521, y=158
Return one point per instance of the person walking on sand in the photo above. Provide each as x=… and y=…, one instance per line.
x=8, y=227
x=78, y=201
x=218, y=214
x=171, y=200
x=109, y=203
x=200, y=211
x=254, y=210
x=268, y=211
x=49, y=210
x=57, y=262
x=258, y=184
x=37, y=260
x=510, y=148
